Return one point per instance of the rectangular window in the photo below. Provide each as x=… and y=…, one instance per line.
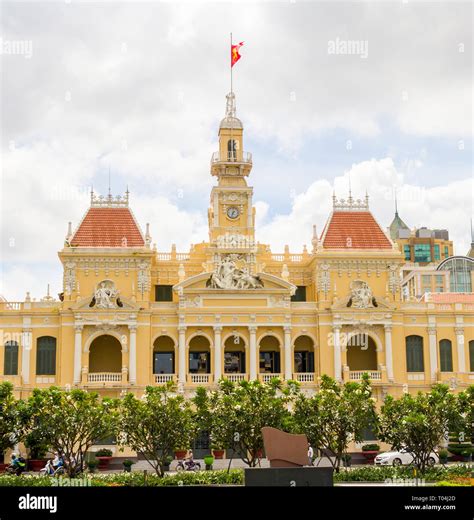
x=446, y=355
x=422, y=253
x=234, y=362
x=163, y=293
x=199, y=363
x=11, y=359
x=407, y=251
x=437, y=255
x=300, y=294
x=46, y=356
x=163, y=362
x=304, y=362
x=269, y=362
x=446, y=251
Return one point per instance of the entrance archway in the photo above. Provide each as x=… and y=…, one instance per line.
x=199, y=355
x=303, y=355
x=105, y=355
x=269, y=355
x=361, y=353
x=163, y=361
x=234, y=355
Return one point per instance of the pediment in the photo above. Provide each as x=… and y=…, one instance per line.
x=84, y=304
x=268, y=284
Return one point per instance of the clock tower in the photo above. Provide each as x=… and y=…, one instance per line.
x=231, y=213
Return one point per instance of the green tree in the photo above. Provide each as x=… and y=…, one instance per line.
x=237, y=412
x=9, y=418
x=157, y=424
x=335, y=415
x=419, y=422
x=463, y=423
x=68, y=422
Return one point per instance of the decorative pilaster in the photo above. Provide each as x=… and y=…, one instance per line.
x=132, y=357
x=288, y=367
x=253, y=352
x=460, y=346
x=77, y=353
x=337, y=352
x=433, y=353
x=217, y=352
x=388, y=352
x=25, y=355
x=181, y=355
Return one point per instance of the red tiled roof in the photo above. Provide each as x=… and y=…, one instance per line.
x=354, y=230
x=451, y=298
x=108, y=227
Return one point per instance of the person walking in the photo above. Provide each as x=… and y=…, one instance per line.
x=310, y=455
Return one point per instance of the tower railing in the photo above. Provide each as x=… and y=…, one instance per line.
x=231, y=156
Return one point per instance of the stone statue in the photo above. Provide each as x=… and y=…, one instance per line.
x=229, y=276
x=105, y=295
x=361, y=295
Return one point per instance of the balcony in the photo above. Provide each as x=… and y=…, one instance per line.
x=104, y=377
x=374, y=375
x=162, y=379
x=231, y=157
x=266, y=377
x=235, y=378
x=304, y=377
x=201, y=379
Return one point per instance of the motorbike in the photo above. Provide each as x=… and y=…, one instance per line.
x=16, y=469
x=188, y=466
x=51, y=471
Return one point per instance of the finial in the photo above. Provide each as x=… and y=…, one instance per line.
x=69, y=229
x=230, y=105
x=92, y=193
x=110, y=192
x=315, y=234
x=47, y=292
x=396, y=202
x=350, y=187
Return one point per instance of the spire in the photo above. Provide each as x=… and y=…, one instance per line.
x=230, y=120
x=396, y=202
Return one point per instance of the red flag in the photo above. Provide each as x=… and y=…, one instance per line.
x=234, y=53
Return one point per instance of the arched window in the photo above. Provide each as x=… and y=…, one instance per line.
x=471, y=356
x=10, y=367
x=414, y=350
x=232, y=149
x=445, y=355
x=46, y=356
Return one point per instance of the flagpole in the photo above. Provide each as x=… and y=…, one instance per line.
x=231, y=63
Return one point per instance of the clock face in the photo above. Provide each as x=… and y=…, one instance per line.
x=233, y=212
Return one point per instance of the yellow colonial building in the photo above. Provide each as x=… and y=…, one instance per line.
x=130, y=316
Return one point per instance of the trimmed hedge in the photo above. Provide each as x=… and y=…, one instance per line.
x=206, y=478
x=380, y=473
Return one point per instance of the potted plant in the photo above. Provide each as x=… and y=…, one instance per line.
x=346, y=460
x=180, y=453
x=466, y=455
x=443, y=456
x=167, y=463
x=92, y=466
x=218, y=453
x=127, y=465
x=103, y=456
x=370, y=451
x=209, y=461
x=38, y=448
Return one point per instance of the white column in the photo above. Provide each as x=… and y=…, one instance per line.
x=132, y=356
x=461, y=351
x=433, y=353
x=388, y=352
x=288, y=367
x=77, y=353
x=25, y=355
x=217, y=353
x=182, y=355
x=337, y=352
x=253, y=352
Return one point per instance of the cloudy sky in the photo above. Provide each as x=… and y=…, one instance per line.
x=140, y=89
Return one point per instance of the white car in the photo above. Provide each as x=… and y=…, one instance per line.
x=402, y=457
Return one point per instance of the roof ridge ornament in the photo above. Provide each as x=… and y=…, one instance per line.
x=119, y=201
x=350, y=204
x=230, y=109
